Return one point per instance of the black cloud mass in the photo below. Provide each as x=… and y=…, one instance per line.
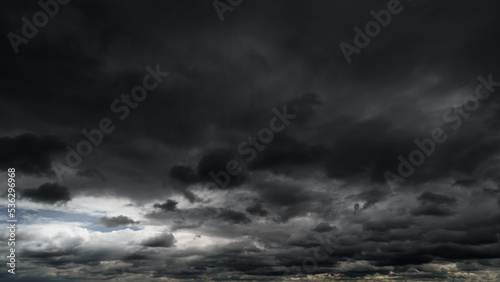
x=50, y=193
x=235, y=140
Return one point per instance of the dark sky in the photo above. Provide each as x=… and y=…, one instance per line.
x=142, y=204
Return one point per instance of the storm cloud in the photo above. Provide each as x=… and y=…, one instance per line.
x=49, y=193
x=310, y=200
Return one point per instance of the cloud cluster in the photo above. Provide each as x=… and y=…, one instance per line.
x=324, y=174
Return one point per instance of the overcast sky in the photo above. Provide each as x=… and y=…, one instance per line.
x=142, y=205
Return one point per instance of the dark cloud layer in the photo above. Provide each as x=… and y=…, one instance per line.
x=29, y=153
x=48, y=193
x=323, y=174
x=234, y=217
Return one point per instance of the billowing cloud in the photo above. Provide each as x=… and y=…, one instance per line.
x=313, y=134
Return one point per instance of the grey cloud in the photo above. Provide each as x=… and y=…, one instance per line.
x=169, y=205
x=353, y=121
x=166, y=240
x=116, y=221
x=257, y=209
